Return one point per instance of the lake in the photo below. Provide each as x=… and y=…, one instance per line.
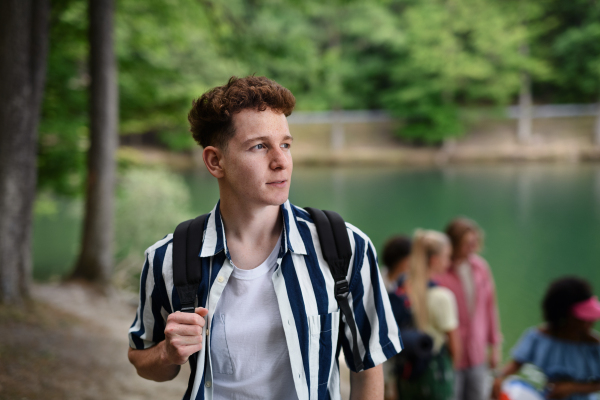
x=541, y=221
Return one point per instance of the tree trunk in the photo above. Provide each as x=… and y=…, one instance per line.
x=96, y=257
x=23, y=50
x=525, y=110
x=525, y=105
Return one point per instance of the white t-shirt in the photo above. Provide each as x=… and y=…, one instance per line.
x=443, y=315
x=249, y=353
x=465, y=274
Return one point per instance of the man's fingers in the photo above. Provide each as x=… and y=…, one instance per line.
x=183, y=330
x=201, y=311
x=184, y=341
x=186, y=318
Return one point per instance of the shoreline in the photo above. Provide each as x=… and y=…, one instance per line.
x=560, y=140
x=379, y=156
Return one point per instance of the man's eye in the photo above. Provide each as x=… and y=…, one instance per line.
x=259, y=146
x=286, y=145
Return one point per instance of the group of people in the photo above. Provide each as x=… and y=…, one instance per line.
x=443, y=298
x=260, y=296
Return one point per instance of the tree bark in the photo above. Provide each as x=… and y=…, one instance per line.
x=96, y=257
x=23, y=48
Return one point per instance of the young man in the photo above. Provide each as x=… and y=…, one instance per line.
x=268, y=325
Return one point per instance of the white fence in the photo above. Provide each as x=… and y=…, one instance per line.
x=339, y=117
x=373, y=116
x=556, y=111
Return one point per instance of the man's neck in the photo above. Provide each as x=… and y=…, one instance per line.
x=251, y=232
x=459, y=261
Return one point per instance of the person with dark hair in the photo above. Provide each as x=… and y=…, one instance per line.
x=470, y=280
x=566, y=348
x=267, y=320
x=396, y=252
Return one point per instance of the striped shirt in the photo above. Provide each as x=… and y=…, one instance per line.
x=304, y=288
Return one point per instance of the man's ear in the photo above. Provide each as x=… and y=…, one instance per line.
x=213, y=157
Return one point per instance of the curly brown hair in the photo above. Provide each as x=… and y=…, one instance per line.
x=211, y=115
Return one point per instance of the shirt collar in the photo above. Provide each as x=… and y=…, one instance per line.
x=214, y=234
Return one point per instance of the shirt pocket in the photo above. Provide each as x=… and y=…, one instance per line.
x=221, y=358
x=322, y=346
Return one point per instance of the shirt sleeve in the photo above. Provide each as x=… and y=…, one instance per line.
x=149, y=324
x=443, y=309
x=377, y=331
x=523, y=352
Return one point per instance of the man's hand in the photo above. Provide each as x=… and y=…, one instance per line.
x=183, y=335
x=494, y=356
x=497, y=388
x=512, y=367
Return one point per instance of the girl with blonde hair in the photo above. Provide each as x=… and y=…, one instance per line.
x=422, y=306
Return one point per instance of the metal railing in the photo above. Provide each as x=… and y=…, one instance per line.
x=337, y=119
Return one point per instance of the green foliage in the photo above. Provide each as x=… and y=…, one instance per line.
x=569, y=44
x=422, y=60
x=165, y=57
x=165, y=199
x=63, y=137
x=577, y=51
x=455, y=54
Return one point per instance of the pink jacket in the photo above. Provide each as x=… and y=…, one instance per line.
x=482, y=328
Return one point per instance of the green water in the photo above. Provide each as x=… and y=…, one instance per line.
x=540, y=221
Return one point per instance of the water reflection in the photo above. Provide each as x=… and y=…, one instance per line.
x=597, y=192
x=524, y=195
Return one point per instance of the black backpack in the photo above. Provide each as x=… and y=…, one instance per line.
x=335, y=245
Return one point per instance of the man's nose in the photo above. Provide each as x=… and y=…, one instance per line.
x=280, y=158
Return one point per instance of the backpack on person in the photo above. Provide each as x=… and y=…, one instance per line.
x=335, y=245
x=417, y=346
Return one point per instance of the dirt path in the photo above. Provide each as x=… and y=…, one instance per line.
x=72, y=345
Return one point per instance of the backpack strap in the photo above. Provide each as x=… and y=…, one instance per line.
x=187, y=267
x=336, y=249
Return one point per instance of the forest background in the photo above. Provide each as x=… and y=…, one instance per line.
x=428, y=64
x=425, y=62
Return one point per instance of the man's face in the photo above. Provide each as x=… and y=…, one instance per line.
x=257, y=162
x=468, y=244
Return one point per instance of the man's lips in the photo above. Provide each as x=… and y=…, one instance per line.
x=282, y=183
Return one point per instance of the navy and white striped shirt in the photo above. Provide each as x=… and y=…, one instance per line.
x=304, y=288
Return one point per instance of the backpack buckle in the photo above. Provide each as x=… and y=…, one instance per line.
x=341, y=289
